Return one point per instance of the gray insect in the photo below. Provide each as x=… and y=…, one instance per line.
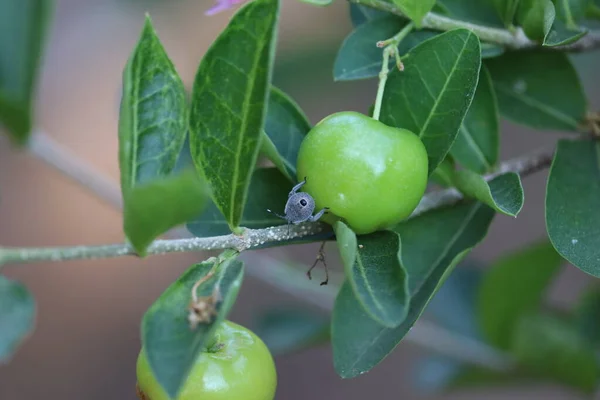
x=299, y=207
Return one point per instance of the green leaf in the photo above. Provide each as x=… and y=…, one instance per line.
x=153, y=114
x=24, y=25
x=372, y=266
x=171, y=346
x=153, y=208
x=288, y=330
x=360, y=58
x=229, y=103
x=571, y=11
x=531, y=93
x=269, y=190
x=476, y=146
x=504, y=193
x=524, y=274
x=415, y=9
x=587, y=316
x=17, y=316
x=432, y=95
x=561, y=35
x=572, y=193
x=536, y=17
x=444, y=172
x=506, y=10
x=553, y=348
x=476, y=11
x=360, y=14
x=432, y=244
x=152, y=131
x=285, y=127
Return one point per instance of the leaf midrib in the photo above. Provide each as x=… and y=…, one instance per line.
x=536, y=104
x=363, y=274
x=475, y=146
x=236, y=170
x=451, y=242
x=441, y=93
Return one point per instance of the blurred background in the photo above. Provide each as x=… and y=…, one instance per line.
x=87, y=336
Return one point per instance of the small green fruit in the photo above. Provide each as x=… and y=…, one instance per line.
x=369, y=174
x=237, y=366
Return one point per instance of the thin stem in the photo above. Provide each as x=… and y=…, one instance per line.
x=525, y=165
x=391, y=48
x=252, y=238
x=502, y=37
x=382, y=81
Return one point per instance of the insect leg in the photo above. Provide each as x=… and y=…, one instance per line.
x=318, y=215
x=274, y=213
x=297, y=187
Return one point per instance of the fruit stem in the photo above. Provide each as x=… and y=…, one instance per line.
x=391, y=48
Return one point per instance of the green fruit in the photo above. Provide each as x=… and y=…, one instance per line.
x=369, y=174
x=236, y=366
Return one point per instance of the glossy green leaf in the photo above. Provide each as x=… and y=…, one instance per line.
x=553, y=348
x=17, y=316
x=444, y=172
x=152, y=131
x=565, y=29
x=360, y=58
x=506, y=10
x=504, y=193
x=229, y=104
x=476, y=11
x=561, y=35
x=23, y=27
x=571, y=11
x=171, y=345
x=287, y=330
x=572, y=193
x=372, y=267
x=269, y=190
x=453, y=306
x=432, y=244
x=536, y=18
x=525, y=274
x=285, y=127
x=532, y=94
x=587, y=316
x=153, y=208
x=153, y=113
x=477, y=144
x=415, y=9
x=432, y=95
x=360, y=14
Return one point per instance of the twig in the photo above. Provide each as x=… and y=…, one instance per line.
x=524, y=165
x=251, y=237
x=502, y=37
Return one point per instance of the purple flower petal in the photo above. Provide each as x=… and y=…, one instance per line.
x=222, y=5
